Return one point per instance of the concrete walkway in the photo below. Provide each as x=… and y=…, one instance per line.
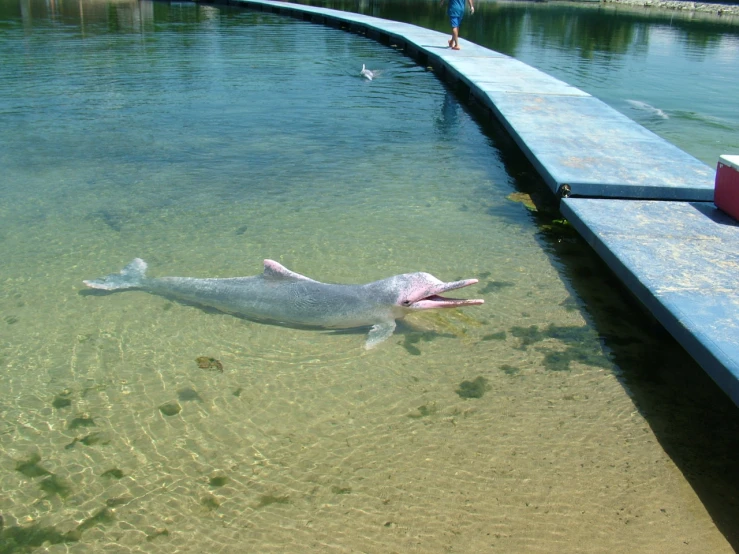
x=681, y=259
x=641, y=202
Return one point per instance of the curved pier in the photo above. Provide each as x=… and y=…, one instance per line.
x=642, y=203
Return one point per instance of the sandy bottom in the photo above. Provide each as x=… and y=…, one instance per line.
x=499, y=427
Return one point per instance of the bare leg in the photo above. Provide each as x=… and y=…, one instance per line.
x=455, y=38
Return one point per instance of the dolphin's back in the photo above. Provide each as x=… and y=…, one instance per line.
x=296, y=301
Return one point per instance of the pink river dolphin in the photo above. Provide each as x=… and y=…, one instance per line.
x=283, y=296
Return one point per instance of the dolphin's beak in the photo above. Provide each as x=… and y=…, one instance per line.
x=435, y=300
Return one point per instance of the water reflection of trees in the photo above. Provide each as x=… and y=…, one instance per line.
x=96, y=17
x=501, y=26
x=586, y=33
x=86, y=15
x=586, y=29
x=591, y=30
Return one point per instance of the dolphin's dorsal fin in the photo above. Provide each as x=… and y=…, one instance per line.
x=275, y=270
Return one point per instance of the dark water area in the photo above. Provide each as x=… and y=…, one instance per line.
x=672, y=72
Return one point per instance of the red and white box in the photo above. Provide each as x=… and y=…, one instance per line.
x=726, y=194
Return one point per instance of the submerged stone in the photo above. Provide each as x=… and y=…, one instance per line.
x=268, y=499
x=94, y=438
x=102, y=516
x=509, y=369
x=25, y=539
x=210, y=502
x=54, y=485
x=205, y=362
x=473, y=389
x=117, y=501
x=30, y=467
x=82, y=420
x=170, y=408
x=61, y=400
x=187, y=394
x=161, y=532
x=218, y=481
x=495, y=336
x=423, y=411
x=495, y=286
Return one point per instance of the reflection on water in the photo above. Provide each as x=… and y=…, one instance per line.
x=673, y=61
x=204, y=140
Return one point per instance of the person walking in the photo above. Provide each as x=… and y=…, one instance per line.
x=455, y=11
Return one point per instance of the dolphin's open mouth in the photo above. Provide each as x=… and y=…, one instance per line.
x=437, y=301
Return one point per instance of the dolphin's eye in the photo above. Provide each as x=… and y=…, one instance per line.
x=406, y=302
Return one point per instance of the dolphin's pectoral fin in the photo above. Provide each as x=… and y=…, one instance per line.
x=379, y=332
x=275, y=270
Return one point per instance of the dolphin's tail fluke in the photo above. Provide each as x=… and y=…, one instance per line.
x=130, y=277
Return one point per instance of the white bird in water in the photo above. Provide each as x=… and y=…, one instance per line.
x=366, y=73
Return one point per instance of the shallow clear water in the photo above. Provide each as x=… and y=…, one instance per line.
x=205, y=140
